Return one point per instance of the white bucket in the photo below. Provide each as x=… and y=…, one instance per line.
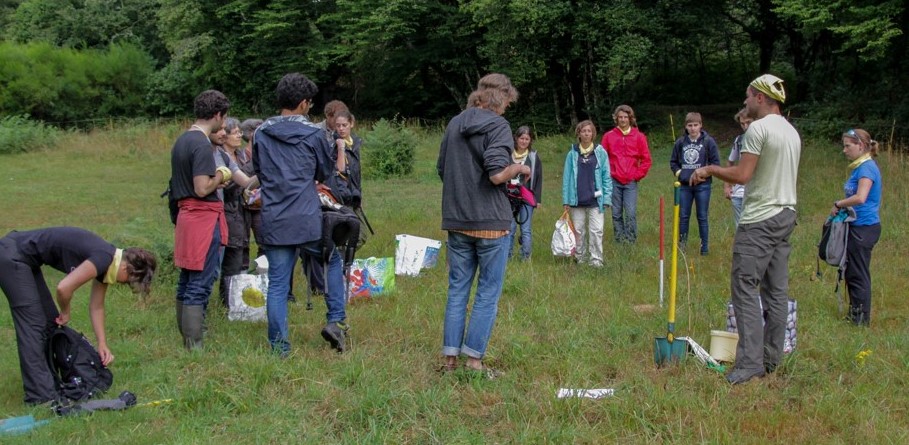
x=722, y=345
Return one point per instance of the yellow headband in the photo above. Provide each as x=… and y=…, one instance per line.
x=770, y=85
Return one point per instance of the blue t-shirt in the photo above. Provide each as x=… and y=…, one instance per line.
x=867, y=214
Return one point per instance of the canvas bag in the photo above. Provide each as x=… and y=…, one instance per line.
x=564, y=240
x=247, y=295
x=371, y=277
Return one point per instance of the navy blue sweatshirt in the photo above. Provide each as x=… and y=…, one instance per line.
x=688, y=155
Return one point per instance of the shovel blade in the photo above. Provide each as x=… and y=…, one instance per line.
x=668, y=352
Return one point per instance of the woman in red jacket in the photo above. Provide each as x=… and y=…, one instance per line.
x=629, y=162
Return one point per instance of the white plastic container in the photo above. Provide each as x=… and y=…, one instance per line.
x=722, y=345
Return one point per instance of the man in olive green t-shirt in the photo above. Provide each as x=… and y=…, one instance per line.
x=760, y=254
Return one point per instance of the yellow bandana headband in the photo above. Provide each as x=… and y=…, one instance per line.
x=772, y=86
x=110, y=277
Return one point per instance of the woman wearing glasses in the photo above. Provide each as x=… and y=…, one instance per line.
x=863, y=194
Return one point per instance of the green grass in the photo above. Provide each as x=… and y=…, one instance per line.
x=559, y=325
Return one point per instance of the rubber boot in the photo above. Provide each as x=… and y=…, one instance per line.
x=180, y=317
x=193, y=318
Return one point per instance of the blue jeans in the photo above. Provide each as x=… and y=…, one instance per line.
x=466, y=256
x=281, y=262
x=526, y=215
x=700, y=196
x=625, y=211
x=737, y=205
x=194, y=286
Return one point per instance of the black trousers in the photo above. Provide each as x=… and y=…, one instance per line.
x=235, y=261
x=34, y=314
x=858, y=265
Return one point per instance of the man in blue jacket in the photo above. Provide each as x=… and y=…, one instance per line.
x=290, y=154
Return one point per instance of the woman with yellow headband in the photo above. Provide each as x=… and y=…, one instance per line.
x=84, y=257
x=863, y=194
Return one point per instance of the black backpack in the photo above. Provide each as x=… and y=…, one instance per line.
x=76, y=365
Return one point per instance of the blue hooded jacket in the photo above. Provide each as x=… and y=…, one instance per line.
x=688, y=156
x=289, y=155
x=602, y=179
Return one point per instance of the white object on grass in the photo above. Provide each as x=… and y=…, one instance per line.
x=413, y=253
x=597, y=393
x=261, y=265
x=699, y=351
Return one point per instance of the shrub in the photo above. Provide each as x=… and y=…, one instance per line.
x=390, y=146
x=19, y=134
x=67, y=86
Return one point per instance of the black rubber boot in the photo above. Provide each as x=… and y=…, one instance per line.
x=193, y=318
x=180, y=317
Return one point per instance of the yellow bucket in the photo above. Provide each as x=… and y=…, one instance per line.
x=722, y=345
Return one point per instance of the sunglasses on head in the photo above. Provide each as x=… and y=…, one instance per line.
x=851, y=133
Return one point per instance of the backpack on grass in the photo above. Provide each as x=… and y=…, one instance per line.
x=76, y=365
x=832, y=247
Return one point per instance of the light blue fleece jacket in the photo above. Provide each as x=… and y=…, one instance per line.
x=601, y=177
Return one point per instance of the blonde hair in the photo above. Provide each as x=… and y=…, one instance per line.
x=582, y=124
x=494, y=92
x=693, y=117
x=864, y=137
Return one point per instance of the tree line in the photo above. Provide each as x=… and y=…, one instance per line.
x=570, y=59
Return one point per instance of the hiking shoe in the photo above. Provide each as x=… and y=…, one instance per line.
x=740, y=376
x=333, y=333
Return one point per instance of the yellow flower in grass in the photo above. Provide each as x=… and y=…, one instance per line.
x=860, y=357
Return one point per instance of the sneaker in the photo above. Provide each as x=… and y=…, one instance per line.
x=333, y=333
x=740, y=376
x=596, y=264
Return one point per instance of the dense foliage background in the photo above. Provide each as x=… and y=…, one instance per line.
x=571, y=59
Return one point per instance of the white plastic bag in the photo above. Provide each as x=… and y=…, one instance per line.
x=413, y=253
x=564, y=240
x=247, y=295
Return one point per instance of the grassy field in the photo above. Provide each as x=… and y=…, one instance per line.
x=559, y=325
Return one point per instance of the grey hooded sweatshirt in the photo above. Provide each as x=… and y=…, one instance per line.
x=477, y=144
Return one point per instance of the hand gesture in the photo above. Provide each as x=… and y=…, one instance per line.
x=700, y=175
x=62, y=319
x=106, y=356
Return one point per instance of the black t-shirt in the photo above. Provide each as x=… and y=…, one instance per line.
x=191, y=156
x=64, y=248
x=587, y=166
